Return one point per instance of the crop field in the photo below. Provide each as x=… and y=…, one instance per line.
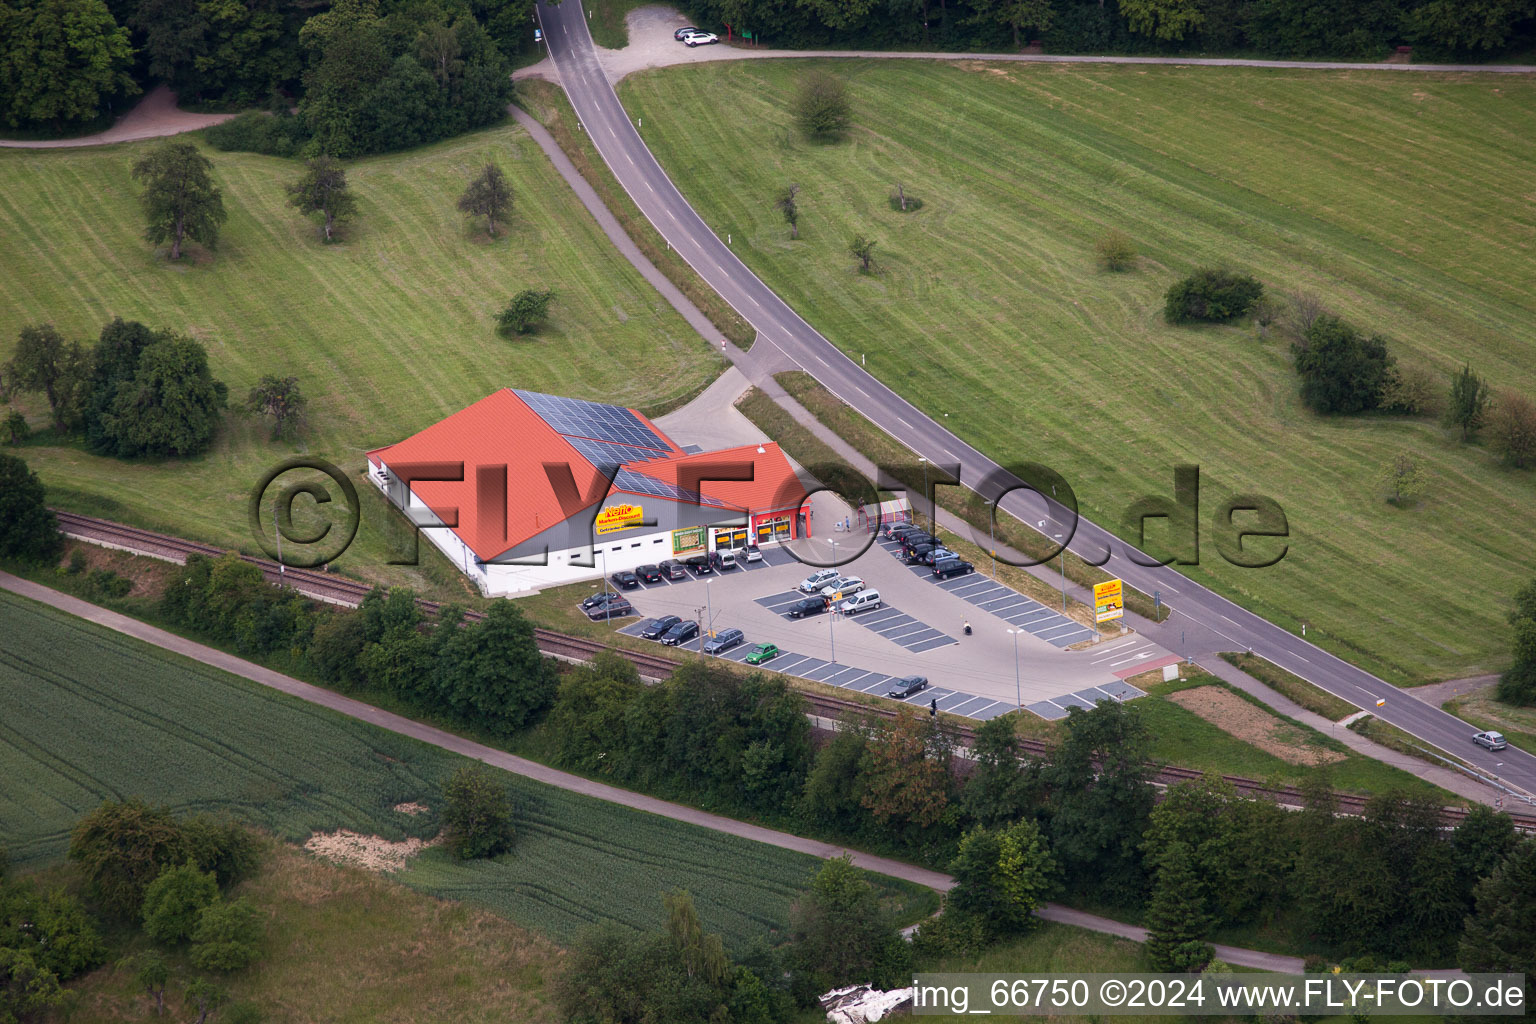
x=93, y=715
x=388, y=331
x=1403, y=202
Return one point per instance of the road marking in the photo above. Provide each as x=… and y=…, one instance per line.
x=1134, y=657
x=909, y=426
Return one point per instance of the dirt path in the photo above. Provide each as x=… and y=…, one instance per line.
x=1438, y=693
x=564, y=780
x=651, y=46
x=155, y=116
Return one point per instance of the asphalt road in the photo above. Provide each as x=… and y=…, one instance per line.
x=1220, y=624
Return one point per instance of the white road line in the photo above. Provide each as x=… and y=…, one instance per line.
x=909, y=426
x=1134, y=657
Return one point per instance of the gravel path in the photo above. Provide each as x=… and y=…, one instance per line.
x=155, y=116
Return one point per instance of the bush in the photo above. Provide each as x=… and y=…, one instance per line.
x=1212, y=294
x=106, y=583
x=28, y=529
x=227, y=936
x=122, y=848
x=174, y=901
x=477, y=816
x=255, y=132
x=1512, y=428
x=1413, y=391
x=14, y=429
x=821, y=106
x=1341, y=370
x=1116, y=251
x=526, y=312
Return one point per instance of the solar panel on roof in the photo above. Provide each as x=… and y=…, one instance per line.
x=639, y=483
x=605, y=435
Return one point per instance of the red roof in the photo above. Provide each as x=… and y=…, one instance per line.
x=773, y=485
x=501, y=429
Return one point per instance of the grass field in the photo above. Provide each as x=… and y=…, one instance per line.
x=387, y=332
x=92, y=715
x=407, y=956
x=1402, y=202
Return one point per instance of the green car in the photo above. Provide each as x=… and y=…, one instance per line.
x=762, y=653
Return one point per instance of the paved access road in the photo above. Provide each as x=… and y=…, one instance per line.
x=1218, y=623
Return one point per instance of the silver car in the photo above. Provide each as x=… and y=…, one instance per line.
x=1490, y=739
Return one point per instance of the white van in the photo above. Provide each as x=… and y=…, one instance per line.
x=863, y=601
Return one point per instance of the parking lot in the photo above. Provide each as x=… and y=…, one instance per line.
x=918, y=630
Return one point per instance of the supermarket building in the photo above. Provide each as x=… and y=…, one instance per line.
x=523, y=491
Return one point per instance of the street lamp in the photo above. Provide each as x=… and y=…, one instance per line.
x=1062, y=557
x=992, y=532
x=1017, y=692
x=832, y=614
x=931, y=523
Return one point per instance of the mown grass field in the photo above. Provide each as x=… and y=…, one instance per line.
x=407, y=957
x=93, y=715
x=1403, y=202
x=387, y=332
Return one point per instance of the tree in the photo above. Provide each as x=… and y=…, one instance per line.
x=151, y=973
x=488, y=195
x=863, y=250
x=281, y=399
x=27, y=990
x=1115, y=250
x=1001, y=877
x=526, y=311
x=1468, y=24
x=60, y=61
x=587, y=721
x=786, y=205
x=1404, y=480
x=180, y=200
x=14, y=429
x=205, y=997
x=1000, y=789
x=1177, y=921
x=44, y=361
x=1518, y=685
x=840, y=933
x=702, y=955
x=323, y=190
x=821, y=106
x=1468, y=404
x=493, y=674
x=227, y=936
x=1412, y=390
x=171, y=407
x=173, y=901
x=1500, y=933
x=1512, y=429
x=906, y=772
x=121, y=848
x=1035, y=15
x=28, y=529
x=1341, y=370
x=1163, y=19
x=833, y=789
x=477, y=816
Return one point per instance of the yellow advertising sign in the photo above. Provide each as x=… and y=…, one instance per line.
x=1108, y=601
x=619, y=517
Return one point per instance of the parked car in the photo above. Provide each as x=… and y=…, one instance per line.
x=844, y=585
x=625, y=580
x=700, y=39
x=674, y=570
x=944, y=568
x=894, y=528
x=618, y=608
x=700, y=565
x=1490, y=739
x=917, y=537
x=724, y=641
x=937, y=555
x=602, y=597
x=818, y=579
x=863, y=601
x=754, y=555
x=655, y=629
x=686, y=30
x=907, y=686
x=915, y=555
x=762, y=653
x=722, y=560
x=808, y=606
x=649, y=573
x=680, y=633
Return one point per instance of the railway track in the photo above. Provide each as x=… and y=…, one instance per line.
x=339, y=590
